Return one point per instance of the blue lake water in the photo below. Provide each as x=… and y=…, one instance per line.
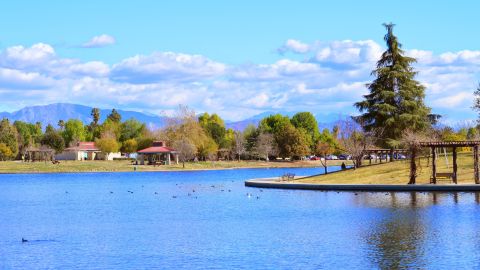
x=91, y=221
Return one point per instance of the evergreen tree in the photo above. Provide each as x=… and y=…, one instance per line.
x=61, y=124
x=95, y=116
x=396, y=99
x=114, y=116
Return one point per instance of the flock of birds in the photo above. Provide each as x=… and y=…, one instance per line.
x=193, y=192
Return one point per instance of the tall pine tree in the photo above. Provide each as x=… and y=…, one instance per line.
x=396, y=100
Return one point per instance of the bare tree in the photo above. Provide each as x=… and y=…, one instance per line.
x=185, y=150
x=354, y=140
x=265, y=145
x=323, y=149
x=239, y=144
x=411, y=140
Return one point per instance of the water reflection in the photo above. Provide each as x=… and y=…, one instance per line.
x=413, y=199
x=398, y=239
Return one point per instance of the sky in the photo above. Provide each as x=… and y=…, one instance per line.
x=235, y=58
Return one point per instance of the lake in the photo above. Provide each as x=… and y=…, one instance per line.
x=210, y=220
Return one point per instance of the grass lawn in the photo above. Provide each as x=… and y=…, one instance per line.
x=126, y=166
x=398, y=172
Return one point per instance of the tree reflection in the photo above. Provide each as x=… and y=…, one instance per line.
x=398, y=239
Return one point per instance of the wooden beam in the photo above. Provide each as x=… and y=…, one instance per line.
x=434, y=165
x=475, y=165
x=454, y=156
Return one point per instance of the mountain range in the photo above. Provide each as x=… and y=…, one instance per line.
x=52, y=113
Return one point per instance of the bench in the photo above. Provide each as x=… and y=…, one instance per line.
x=448, y=177
x=288, y=177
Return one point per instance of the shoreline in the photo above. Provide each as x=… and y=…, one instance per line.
x=52, y=170
x=277, y=184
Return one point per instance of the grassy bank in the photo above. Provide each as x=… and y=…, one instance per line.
x=397, y=172
x=126, y=166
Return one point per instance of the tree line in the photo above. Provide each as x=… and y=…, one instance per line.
x=202, y=137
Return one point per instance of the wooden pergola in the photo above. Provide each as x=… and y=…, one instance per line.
x=38, y=153
x=453, y=145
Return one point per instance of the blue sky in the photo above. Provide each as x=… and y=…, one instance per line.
x=238, y=59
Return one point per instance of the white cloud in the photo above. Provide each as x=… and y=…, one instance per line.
x=166, y=66
x=330, y=79
x=92, y=69
x=99, y=41
x=21, y=57
x=348, y=52
x=15, y=79
x=453, y=101
x=294, y=46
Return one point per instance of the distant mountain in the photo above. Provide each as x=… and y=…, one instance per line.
x=242, y=124
x=51, y=114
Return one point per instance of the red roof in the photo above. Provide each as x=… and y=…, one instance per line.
x=157, y=149
x=84, y=146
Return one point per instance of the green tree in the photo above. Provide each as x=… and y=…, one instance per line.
x=251, y=133
x=291, y=142
x=53, y=139
x=307, y=121
x=214, y=126
x=472, y=133
x=111, y=128
x=143, y=143
x=129, y=146
x=115, y=116
x=28, y=134
x=228, y=139
x=74, y=131
x=131, y=129
x=49, y=128
x=396, y=99
x=328, y=138
x=184, y=126
x=107, y=145
x=273, y=123
x=207, y=149
x=8, y=136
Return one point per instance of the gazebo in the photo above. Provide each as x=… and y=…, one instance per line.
x=433, y=145
x=157, y=154
x=43, y=153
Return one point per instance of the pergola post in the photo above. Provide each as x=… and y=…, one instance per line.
x=434, y=165
x=475, y=164
x=413, y=167
x=454, y=156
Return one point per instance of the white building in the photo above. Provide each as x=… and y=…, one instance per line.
x=85, y=151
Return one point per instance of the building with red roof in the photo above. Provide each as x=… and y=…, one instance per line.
x=158, y=153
